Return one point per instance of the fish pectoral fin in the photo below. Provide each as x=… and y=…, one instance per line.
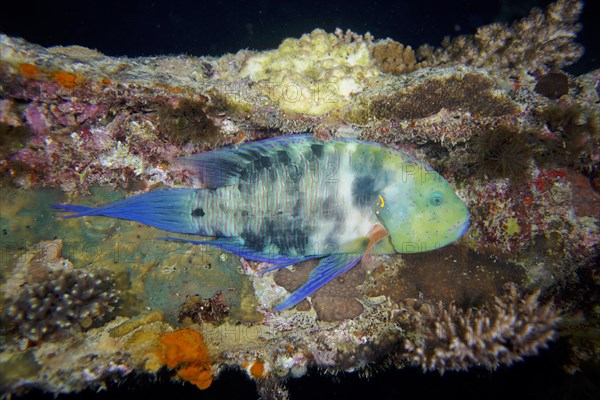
x=375, y=235
x=329, y=268
x=365, y=244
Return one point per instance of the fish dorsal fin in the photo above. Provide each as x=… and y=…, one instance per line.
x=215, y=168
x=223, y=167
x=329, y=268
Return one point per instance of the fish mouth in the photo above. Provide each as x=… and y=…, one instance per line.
x=460, y=230
x=464, y=226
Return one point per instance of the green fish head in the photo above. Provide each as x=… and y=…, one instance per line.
x=421, y=211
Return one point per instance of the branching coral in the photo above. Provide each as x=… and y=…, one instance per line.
x=393, y=57
x=502, y=332
x=543, y=40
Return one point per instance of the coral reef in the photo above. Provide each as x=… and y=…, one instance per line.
x=450, y=274
x=503, y=332
x=586, y=201
x=48, y=296
x=273, y=389
x=12, y=138
x=372, y=352
x=516, y=137
x=87, y=359
x=543, y=40
x=575, y=133
x=187, y=122
x=182, y=273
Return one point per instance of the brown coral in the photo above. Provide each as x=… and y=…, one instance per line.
x=501, y=332
x=450, y=274
x=543, y=40
x=553, y=84
x=502, y=153
x=576, y=136
x=187, y=122
x=472, y=91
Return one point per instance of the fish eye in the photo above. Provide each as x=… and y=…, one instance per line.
x=436, y=199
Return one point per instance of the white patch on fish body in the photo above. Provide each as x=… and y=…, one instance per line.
x=355, y=222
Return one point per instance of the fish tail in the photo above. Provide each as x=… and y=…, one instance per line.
x=170, y=210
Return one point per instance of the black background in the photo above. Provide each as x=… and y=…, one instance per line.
x=147, y=28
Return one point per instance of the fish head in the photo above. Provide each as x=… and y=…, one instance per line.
x=421, y=210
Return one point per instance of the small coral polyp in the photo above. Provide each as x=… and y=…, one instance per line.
x=314, y=74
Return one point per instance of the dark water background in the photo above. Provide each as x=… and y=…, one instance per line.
x=146, y=28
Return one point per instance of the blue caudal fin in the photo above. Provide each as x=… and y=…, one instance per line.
x=169, y=210
x=329, y=268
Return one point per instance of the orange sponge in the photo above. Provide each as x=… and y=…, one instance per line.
x=66, y=79
x=185, y=349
